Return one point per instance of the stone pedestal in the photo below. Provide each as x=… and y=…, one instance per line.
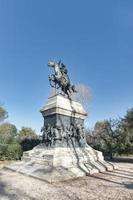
x=67, y=155
x=61, y=111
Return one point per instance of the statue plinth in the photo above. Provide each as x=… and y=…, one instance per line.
x=62, y=111
x=64, y=154
x=61, y=117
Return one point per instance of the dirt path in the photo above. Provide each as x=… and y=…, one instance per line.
x=116, y=185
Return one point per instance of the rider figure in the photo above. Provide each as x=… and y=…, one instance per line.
x=64, y=72
x=63, y=68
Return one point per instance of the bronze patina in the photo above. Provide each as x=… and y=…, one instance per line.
x=60, y=78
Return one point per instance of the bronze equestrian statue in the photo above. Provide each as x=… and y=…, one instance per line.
x=60, y=78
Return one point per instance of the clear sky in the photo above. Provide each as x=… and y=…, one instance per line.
x=94, y=38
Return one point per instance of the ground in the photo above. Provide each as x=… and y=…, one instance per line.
x=116, y=185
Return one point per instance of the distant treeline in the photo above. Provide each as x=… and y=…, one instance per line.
x=113, y=137
x=14, y=142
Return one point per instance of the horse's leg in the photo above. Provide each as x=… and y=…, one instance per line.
x=70, y=89
x=65, y=91
x=55, y=88
x=62, y=90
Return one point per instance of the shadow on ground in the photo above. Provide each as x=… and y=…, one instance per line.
x=7, y=192
x=124, y=175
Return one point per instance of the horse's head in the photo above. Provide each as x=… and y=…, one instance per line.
x=51, y=64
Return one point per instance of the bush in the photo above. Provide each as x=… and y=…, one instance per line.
x=10, y=151
x=3, y=149
x=14, y=152
x=27, y=138
x=28, y=144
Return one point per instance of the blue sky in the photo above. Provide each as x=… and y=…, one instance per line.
x=93, y=38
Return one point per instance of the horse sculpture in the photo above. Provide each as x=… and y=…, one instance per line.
x=60, y=78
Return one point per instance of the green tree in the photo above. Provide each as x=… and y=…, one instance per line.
x=27, y=138
x=3, y=114
x=105, y=136
x=113, y=136
x=9, y=148
x=8, y=132
x=127, y=132
x=128, y=119
x=26, y=132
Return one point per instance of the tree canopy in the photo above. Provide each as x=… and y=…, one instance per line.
x=8, y=132
x=28, y=138
x=3, y=114
x=26, y=132
x=114, y=136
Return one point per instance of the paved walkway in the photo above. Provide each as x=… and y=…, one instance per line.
x=116, y=185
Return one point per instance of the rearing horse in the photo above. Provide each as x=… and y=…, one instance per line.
x=60, y=79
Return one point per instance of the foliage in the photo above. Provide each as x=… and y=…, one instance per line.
x=27, y=138
x=12, y=144
x=106, y=134
x=14, y=151
x=128, y=119
x=28, y=144
x=127, y=131
x=27, y=133
x=3, y=114
x=8, y=133
x=113, y=137
x=3, y=150
x=11, y=151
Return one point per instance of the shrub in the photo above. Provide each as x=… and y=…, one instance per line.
x=28, y=144
x=10, y=151
x=27, y=138
x=3, y=149
x=14, y=152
